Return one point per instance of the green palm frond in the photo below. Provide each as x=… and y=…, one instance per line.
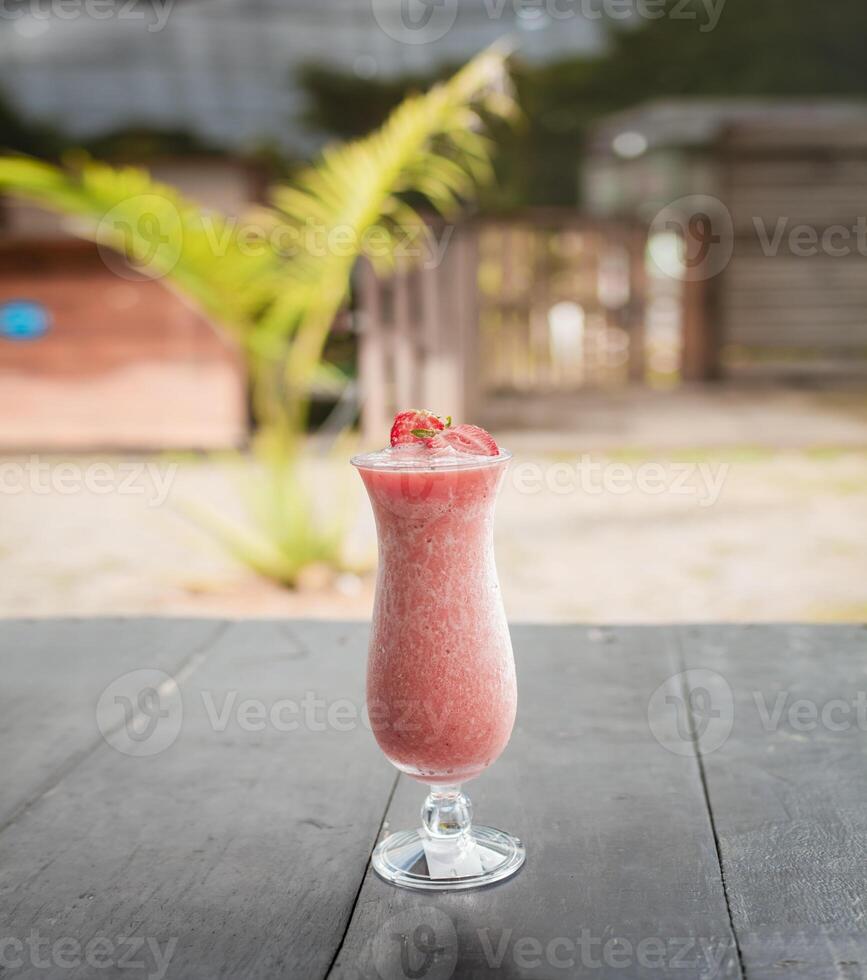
x=154, y=227
x=433, y=145
x=277, y=277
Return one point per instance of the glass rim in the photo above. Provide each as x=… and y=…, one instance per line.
x=473, y=463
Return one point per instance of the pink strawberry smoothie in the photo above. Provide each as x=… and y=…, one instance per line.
x=441, y=685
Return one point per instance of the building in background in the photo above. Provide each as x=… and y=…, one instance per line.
x=768, y=199
x=94, y=355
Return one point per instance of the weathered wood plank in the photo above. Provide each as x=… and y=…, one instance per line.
x=751, y=269
x=238, y=851
x=788, y=793
x=52, y=674
x=621, y=877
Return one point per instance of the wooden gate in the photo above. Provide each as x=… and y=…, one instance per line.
x=544, y=301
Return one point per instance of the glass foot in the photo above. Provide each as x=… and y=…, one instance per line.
x=416, y=859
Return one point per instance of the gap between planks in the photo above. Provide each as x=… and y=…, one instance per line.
x=364, y=874
x=702, y=775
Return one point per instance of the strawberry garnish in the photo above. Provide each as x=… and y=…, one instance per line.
x=466, y=439
x=417, y=425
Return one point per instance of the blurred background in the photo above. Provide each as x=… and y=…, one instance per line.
x=655, y=296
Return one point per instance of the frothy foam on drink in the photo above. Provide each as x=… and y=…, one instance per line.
x=417, y=456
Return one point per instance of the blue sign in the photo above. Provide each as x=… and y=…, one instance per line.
x=23, y=319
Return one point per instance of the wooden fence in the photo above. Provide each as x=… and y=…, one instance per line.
x=546, y=301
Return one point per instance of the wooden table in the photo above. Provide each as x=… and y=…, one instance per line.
x=724, y=839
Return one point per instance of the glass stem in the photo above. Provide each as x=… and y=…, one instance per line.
x=447, y=813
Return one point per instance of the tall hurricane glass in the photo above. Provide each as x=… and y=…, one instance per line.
x=441, y=687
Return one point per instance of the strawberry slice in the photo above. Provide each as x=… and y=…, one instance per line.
x=402, y=430
x=466, y=439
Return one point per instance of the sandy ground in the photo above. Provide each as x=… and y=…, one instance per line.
x=682, y=509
